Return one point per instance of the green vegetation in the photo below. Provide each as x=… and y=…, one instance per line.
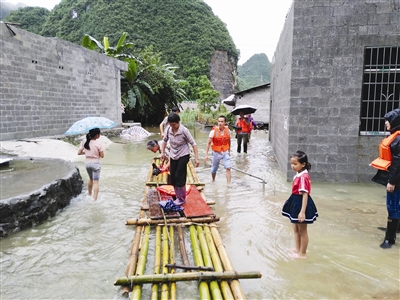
x=32, y=17
x=190, y=116
x=7, y=7
x=254, y=72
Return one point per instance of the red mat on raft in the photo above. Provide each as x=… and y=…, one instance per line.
x=195, y=205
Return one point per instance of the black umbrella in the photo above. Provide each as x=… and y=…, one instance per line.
x=246, y=109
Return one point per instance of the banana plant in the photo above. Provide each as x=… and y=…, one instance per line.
x=118, y=51
x=136, y=87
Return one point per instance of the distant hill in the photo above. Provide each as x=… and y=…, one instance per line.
x=254, y=72
x=7, y=7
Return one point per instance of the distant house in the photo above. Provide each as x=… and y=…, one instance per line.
x=258, y=97
x=335, y=73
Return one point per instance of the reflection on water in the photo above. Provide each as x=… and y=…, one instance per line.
x=78, y=254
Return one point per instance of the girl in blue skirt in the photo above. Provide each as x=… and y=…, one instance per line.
x=300, y=207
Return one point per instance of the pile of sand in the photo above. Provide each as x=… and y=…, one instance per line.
x=45, y=147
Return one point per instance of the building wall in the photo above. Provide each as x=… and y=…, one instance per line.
x=46, y=84
x=259, y=98
x=325, y=82
x=281, y=70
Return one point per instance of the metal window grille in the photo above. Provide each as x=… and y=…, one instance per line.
x=381, y=88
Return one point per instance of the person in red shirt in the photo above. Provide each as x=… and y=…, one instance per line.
x=300, y=207
x=243, y=130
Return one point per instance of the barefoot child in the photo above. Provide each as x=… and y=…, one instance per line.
x=300, y=208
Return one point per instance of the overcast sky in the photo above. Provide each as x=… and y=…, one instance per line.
x=254, y=25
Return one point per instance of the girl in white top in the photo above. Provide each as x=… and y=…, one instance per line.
x=93, y=150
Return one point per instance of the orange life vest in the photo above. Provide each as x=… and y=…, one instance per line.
x=245, y=127
x=221, y=142
x=384, y=160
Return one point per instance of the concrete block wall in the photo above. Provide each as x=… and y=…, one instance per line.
x=281, y=92
x=325, y=82
x=259, y=98
x=46, y=84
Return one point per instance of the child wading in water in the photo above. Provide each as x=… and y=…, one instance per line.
x=300, y=207
x=93, y=150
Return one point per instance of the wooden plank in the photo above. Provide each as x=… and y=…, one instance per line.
x=195, y=205
x=154, y=207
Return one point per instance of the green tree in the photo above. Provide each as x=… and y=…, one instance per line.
x=207, y=95
x=29, y=18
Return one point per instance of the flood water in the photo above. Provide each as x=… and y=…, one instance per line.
x=79, y=253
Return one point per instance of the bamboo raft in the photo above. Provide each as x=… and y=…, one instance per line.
x=213, y=269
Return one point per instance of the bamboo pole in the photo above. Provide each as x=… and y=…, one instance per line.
x=182, y=246
x=164, y=286
x=189, y=175
x=141, y=265
x=157, y=263
x=214, y=287
x=145, y=221
x=172, y=260
x=225, y=289
x=175, y=266
x=195, y=178
x=227, y=264
x=204, y=291
x=134, y=251
x=186, y=276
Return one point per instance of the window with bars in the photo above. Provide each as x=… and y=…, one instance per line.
x=381, y=88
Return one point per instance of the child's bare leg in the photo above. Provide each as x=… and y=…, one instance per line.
x=90, y=186
x=302, y=228
x=296, y=236
x=95, y=189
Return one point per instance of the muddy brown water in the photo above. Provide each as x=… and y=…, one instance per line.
x=79, y=253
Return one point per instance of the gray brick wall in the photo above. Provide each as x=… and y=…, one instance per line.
x=46, y=84
x=258, y=97
x=280, y=93
x=325, y=57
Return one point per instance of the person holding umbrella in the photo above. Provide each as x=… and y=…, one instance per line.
x=243, y=130
x=93, y=150
x=179, y=138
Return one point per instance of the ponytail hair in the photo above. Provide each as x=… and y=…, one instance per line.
x=92, y=133
x=302, y=157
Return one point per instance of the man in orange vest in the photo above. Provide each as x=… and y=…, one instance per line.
x=243, y=130
x=390, y=177
x=220, y=138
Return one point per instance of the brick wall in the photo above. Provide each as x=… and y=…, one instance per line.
x=325, y=58
x=46, y=84
x=259, y=98
x=280, y=93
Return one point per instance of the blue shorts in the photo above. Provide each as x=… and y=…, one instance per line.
x=217, y=156
x=93, y=170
